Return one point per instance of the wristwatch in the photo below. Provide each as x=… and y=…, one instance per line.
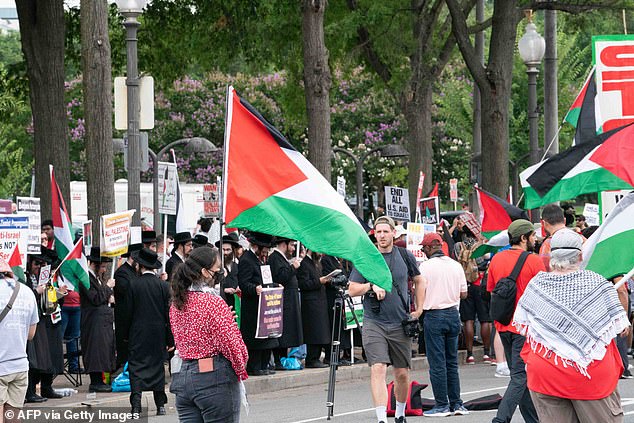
x=371, y=286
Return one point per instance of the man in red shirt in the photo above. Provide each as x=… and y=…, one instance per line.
x=522, y=238
x=552, y=220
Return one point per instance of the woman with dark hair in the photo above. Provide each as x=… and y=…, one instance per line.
x=207, y=388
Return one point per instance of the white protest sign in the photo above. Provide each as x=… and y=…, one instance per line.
x=415, y=234
x=453, y=189
x=136, y=236
x=341, y=186
x=397, y=203
x=168, y=187
x=591, y=213
x=115, y=233
x=608, y=200
x=30, y=206
x=267, y=276
x=45, y=274
x=14, y=231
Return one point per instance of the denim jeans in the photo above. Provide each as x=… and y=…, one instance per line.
x=442, y=328
x=71, y=320
x=207, y=397
x=516, y=393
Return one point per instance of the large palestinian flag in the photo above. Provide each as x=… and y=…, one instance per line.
x=270, y=187
x=582, y=113
x=496, y=214
x=609, y=250
x=600, y=164
x=74, y=271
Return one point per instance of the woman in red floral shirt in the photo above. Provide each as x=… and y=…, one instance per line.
x=207, y=388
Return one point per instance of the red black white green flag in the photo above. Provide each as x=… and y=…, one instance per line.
x=270, y=187
x=496, y=214
x=582, y=113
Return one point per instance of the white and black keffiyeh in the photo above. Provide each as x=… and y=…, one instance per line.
x=574, y=315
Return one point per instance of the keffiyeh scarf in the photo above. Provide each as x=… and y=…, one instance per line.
x=574, y=315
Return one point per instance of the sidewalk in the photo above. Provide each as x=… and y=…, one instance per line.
x=254, y=385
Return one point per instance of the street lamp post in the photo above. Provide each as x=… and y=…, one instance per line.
x=531, y=48
x=131, y=9
x=392, y=150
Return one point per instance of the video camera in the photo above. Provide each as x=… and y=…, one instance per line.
x=340, y=281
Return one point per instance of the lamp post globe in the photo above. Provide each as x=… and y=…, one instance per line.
x=531, y=46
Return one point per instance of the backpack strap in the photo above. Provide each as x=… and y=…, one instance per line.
x=518, y=266
x=9, y=305
x=402, y=251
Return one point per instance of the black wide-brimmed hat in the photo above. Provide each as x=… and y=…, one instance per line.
x=147, y=258
x=231, y=238
x=200, y=240
x=96, y=257
x=148, y=237
x=132, y=248
x=258, y=238
x=182, y=238
x=280, y=239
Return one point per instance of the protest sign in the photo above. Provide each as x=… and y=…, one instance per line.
x=211, y=200
x=357, y=304
x=341, y=186
x=30, y=206
x=430, y=210
x=115, y=233
x=87, y=236
x=591, y=213
x=415, y=234
x=608, y=200
x=397, y=203
x=168, y=188
x=472, y=223
x=14, y=231
x=453, y=190
x=5, y=206
x=270, y=313
x=419, y=192
x=45, y=274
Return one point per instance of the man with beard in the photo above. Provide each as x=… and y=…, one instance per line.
x=552, y=220
x=250, y=282
x=521, y=238
x=183, y=245
x=149, y=331
x=283, y=272
x=229, y=283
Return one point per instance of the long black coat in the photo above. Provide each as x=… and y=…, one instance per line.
x=123, y=277
x=328, y=264
x=249, y=277
x=171, y=265
x=284, y=274
x=45, y=351
x=314, y=304
x=150, y=334
x=97, y=334
x=229, y=281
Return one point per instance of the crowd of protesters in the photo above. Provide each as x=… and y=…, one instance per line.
x=143, y=314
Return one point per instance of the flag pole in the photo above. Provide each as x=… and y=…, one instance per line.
x=624, y=279
x=164, y=243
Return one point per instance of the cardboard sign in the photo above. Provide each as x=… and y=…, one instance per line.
x=453, y=189
x=30, y=206
x=415, y=234
x=591, y=213
x=341, y=186
x=211, y=200
x=14, y=232
x=270, y=313
x=357, y=304
x=168, y=187
x=429, y=211
x=115, y=233
x=472, y=223
x=614, y=75
x=397, y=203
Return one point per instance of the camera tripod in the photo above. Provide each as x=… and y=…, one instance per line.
x=337, y=316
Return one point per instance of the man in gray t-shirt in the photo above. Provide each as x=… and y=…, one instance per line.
x=384, y=339
x=16, y=328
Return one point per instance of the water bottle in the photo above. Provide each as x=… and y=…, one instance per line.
x=176, y=362
x=66, y=392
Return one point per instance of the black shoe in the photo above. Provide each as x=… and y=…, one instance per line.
x=160, y=411
x=102, y=387
x=315, y=365
x=270, y=372
x=34, y=398
x=258, y=372
x=344, y=362
x=51, y=394
x=136, y=412
x=400, y=420
x=279, y=367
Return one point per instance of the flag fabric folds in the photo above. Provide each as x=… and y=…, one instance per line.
x=608, y=251
x=582, y=113
x=272, y=188
x=600, y=164
x=15, y=261
x=73, y=271
x=496, y=214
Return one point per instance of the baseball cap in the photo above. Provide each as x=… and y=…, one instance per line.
x=520, y=227
x=386, y=220
x=565, y=239
x=430, y=238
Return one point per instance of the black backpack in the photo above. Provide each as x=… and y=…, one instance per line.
x=505, y=292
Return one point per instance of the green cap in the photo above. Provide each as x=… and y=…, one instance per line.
x=520, y=227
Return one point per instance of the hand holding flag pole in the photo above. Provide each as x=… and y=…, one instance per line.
x=624, y=279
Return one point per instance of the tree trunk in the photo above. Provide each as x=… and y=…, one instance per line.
x=495, y=146
x=418, y=109
x=97, y=85
x=42, y=37
x=317, y=82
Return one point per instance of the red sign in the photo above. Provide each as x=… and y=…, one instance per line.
x=211, y=200
x=453, y=189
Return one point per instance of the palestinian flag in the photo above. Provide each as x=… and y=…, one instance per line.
x=496, y=214
x=76, y=256
x=609, y=250
x=495, y=244
x=582, y=113
x=15, y=262
x=72, y=270
x=270, y=187
x=601, y=164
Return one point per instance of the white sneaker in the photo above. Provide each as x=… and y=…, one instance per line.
x=505, y=372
